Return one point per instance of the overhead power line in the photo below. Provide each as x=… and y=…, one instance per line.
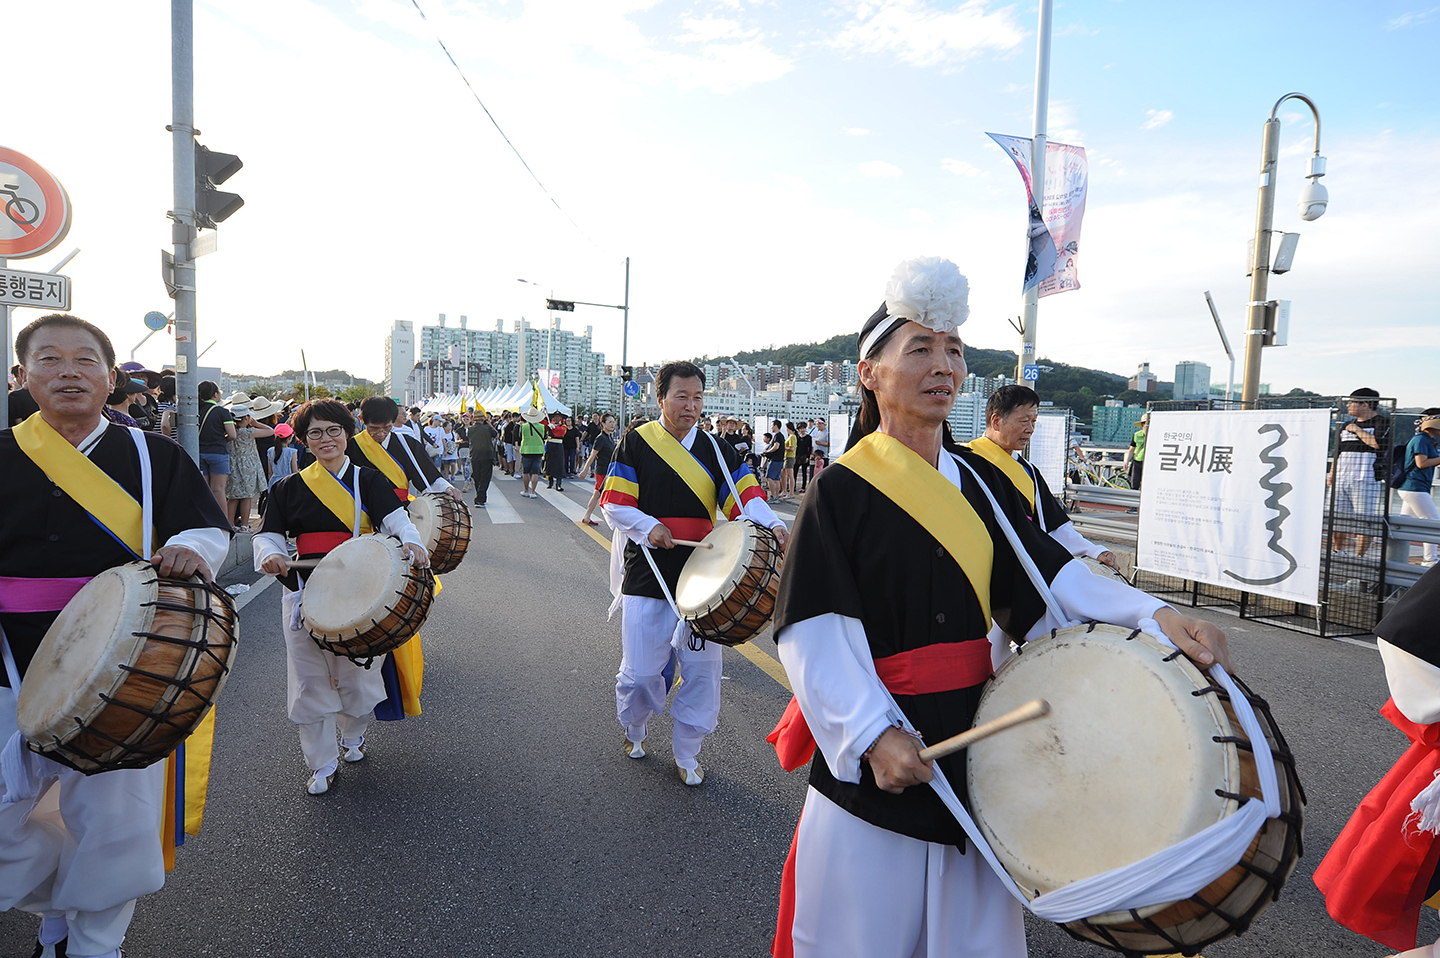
x=496, y=123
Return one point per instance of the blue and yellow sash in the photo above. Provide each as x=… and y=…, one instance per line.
x=336, y=496
x=677, y=457
x=187, y=769
x=381, y=459
x=931, y=500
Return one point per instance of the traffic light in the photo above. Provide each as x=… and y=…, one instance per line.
x=563, y=305
x=627, y=373
x=213, y=206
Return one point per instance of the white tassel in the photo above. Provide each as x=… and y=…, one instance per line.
x=1425, y=809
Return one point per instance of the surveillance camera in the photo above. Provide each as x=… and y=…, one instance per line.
x=1313, y=200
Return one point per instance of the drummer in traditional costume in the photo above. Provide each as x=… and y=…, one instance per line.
x=328, y=502
x=1010, y=416
x=72, y=487
x=1385, y=865
x=899, y=560
x=394, y=452
x=665, y=481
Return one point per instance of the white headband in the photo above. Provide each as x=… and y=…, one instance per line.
x=881, y=329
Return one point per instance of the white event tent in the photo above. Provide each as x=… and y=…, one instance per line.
x=516, y=398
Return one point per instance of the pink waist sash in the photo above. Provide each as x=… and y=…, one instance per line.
x=18, y=595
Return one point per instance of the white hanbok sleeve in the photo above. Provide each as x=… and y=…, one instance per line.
x=1076, y=544
x=1085, y=596
x=1414, y=684
x=828, y=660
x=211, y=544
x=267, y=544
x=759, y=511
x=397, y=523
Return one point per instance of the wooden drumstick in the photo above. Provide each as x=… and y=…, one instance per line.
x=302, y=563
x=693, y=544
x=1032, y=709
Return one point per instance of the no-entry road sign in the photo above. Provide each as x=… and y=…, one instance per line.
x=34, y=207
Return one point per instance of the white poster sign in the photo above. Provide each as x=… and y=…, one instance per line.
x=1047, y=448
x=1236, y=499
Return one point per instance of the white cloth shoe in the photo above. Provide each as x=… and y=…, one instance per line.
x=634, y=749
x=320, y=781
x=354, y=753
x=692, y=776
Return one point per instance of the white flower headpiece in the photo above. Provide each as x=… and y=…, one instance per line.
x=928, y=290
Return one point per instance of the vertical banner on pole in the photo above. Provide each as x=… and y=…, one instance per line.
x=1236, y=499
x=1055, y=220
x=1048, y=446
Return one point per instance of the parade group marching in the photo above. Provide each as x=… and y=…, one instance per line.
x=925, y=588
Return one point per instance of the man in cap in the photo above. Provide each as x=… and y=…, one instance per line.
x=899, y=559
x=1135, y=454
x=665, y=482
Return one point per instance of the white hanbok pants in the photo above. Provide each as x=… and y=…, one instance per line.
x=325, y=693
x=866, y=892
x=646, y=628
x=88, y=859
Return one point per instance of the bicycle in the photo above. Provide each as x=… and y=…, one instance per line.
x=1078, y=463
x=16, y=205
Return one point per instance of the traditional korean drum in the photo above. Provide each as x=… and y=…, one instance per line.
x=1139, y=752
x=727, y=593
x=364, y=599
x=444, y=526
x=129, y=669
x=1100, y=568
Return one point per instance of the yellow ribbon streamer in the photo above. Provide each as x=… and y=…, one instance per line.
x=990, y=450
x=677, y=457
x=82, y=480
x=381, y=459
x=334, y=496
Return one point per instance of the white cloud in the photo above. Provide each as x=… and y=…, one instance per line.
x=959, y=167
x=1156, y=119
x=858, y=131
x=710, y=29
x=880, y=168
x=1412, y=18
x=920, y=33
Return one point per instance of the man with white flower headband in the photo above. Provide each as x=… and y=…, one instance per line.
x=899, y=556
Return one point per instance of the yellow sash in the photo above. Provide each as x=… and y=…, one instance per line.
x=333, y=494
x=988, y=449
x=677, y=457
x=82, y=480
x=931, y=500
x=381, y=459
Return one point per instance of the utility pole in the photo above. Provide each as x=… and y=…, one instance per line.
x=625, y=346
x=1030, y=321
x=182, y=129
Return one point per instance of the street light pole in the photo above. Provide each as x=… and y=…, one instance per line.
x=625, y=343
x=1264, y=218
x=182, y=128
x=1030, y=316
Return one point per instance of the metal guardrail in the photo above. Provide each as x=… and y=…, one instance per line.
x=1109, y=525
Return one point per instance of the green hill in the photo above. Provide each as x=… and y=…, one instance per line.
x=1064, y=385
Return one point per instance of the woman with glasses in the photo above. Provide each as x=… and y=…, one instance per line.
x=326, y=693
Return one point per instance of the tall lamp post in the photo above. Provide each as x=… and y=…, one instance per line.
x=1313, y=199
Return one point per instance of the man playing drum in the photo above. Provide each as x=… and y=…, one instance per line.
x=899, y=559
x=326, y=693
x=1010, y=417
x=665, y=482
x=72, y=488
x=395, y=452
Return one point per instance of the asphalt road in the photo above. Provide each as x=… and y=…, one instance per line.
x=506, y=821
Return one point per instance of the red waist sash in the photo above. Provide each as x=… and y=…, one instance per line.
x=933, y=668
x=688, y=527
x=19, y=595
x=318, y=543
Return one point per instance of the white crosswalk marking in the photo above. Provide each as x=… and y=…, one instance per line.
x=567, y=506
x=497, y=507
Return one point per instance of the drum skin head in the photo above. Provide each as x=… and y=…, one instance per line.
x=711, y=574
x=1123, y=766
x=353, y=585
x=80, y=656
x=425, y=515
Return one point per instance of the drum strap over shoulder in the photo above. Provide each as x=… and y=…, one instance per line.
x=338, y=497
x=683, y=461
x=102, y=497
x=930, y=499
x=988, y=449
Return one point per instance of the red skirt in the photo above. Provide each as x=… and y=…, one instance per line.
x=1375, y=876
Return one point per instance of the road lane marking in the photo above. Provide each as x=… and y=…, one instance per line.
x=770, y=666
x=498, y=508
x=567, y=506
x=256, y=587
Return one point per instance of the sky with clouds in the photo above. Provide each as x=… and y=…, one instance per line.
x=764, y=164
